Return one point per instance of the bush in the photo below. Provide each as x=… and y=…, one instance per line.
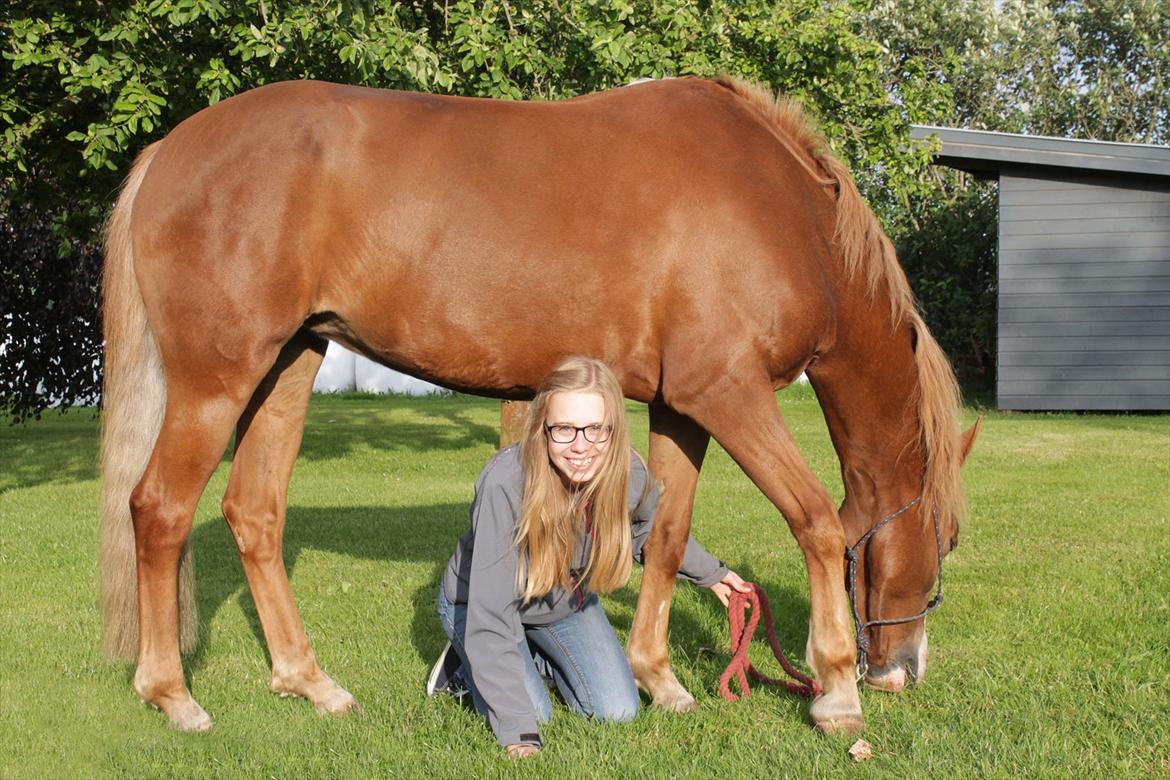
x=51, y=338
x=949, y=250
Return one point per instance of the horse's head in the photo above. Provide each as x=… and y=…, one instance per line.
x=897, y=575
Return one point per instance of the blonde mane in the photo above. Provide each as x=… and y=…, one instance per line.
x=865, y=249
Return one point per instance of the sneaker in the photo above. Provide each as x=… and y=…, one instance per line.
x=445, y=674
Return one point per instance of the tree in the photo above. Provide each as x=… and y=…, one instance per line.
x=1090, y=69
x=91, y=83
x=48, y=298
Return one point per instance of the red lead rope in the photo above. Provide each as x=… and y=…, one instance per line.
x=741, y=637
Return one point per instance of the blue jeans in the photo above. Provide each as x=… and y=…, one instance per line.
x=579, y=654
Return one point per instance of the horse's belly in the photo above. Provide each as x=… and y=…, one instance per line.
x=480, y=333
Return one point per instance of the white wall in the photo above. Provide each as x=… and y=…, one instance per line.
x=344, y=370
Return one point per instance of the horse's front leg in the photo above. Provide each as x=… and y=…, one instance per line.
x=747, y=423
x=677, y=446
x=268, y=437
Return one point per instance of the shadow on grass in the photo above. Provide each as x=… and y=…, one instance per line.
x=336, y=427
x=710, y=654
x=64, y=447
x=424, y=533
x=61, y=447
x=428, y=534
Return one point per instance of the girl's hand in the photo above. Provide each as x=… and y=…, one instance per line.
x=731, y=581
x=522, y=750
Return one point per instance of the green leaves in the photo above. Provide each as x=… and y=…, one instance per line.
x=90, y=84
x=87, y=85
x=137, y=107
x=180, y=12
x=105, y=81
x=217, y=81
x=1072, y=68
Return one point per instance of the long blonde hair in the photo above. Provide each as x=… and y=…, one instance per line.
x=550, y=516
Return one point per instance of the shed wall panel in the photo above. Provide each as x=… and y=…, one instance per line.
x=1009, y=300
x=1067, y=196
x=1089, y=210
x=1086, y=358
x=1082, y=328
x=1102, y=314
x=1084, y=294
x=1038, y=181
x=1090, y=270
x=1077, y=226
x=1106, y=402
x=1106, y=284
x=1079, y=241
x=1075, y=374
x=1058, y=386
x=1080, y=254
x=1080, y=343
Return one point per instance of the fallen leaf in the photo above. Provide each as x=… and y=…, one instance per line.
x=861, y=751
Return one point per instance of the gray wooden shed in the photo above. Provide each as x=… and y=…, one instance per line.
x=1084, y=267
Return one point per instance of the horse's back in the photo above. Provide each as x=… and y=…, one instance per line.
x=657, y=217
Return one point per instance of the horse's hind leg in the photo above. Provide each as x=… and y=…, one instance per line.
x=677, y=447
x=200, y=412
x=744, y=419
x=267, y=440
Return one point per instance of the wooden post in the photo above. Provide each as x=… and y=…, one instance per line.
x=512, y=414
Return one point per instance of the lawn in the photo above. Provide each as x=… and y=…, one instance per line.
x=1051, y=656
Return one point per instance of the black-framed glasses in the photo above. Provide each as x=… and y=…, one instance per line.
x=567, y=434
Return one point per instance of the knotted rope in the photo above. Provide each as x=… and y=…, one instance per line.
x=741, y=637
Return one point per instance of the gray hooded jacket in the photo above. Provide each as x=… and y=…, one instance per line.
x=482, y=575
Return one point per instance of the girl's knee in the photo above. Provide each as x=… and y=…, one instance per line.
x=616, y=708
x=619, y=716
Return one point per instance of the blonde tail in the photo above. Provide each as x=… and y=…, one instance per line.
x=134, y=398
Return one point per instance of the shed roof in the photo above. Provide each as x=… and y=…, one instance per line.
x=983, y=151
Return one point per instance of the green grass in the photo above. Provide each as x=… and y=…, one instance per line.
x=1051, y=656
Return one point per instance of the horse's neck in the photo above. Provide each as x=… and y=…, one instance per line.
x=868, y=390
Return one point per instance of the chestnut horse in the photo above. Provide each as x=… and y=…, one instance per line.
x=696, y=235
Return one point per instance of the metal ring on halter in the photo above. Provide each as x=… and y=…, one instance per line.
x=851, y=557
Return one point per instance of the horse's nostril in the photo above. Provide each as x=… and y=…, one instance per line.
x=890, y=679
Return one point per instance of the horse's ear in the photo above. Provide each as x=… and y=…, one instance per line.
x=969, y=437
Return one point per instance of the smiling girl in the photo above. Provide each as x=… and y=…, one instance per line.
x=556, y=519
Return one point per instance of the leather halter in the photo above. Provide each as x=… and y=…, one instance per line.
x=851, y=556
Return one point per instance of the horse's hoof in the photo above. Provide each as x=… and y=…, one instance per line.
x=838, y=714
x=849, y=726
x=676, y=701
x=189, y=717
x=180, y=706
x=326, y=696
x=339, y=702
